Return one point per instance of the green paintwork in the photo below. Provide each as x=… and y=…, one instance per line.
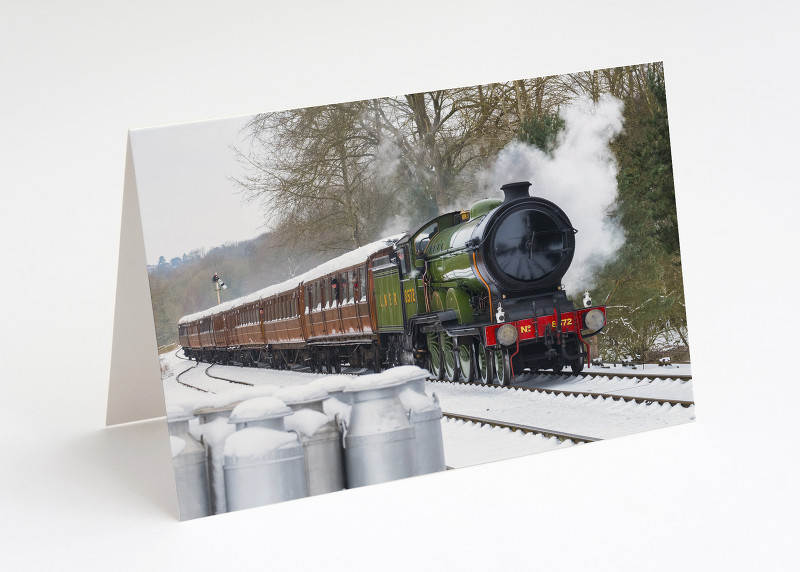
x=413, y=296
x=437, y=302
x=482, y=207
x=449, y=261
x=388, y=300
x=458, y=300
x=449, y=265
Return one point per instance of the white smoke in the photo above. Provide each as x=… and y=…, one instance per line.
x=580, y=177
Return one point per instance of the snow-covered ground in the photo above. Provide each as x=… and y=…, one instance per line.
x=598, y=417
x=465, y=443
x=647, y=369
x=659, y=383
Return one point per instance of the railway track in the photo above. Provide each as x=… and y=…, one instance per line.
x=525, y=378
x=225, y=378
x=189, y=385
x=652, y=374
x=592, y=394
x=220, y=378
x=523, y=428
x=561, y=436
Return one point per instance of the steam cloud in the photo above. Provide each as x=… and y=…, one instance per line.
x=580, y=177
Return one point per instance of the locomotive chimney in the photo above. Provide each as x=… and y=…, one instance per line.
x=515, y=191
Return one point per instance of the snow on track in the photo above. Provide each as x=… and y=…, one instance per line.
x=467, y=443
x=599, y=417
x=649, y=387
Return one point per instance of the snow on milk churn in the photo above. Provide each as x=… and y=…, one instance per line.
x=319, y=434
x=379, y=439
x=189, y=463
x=263, y=462
x=215, y=429
x=425, y=415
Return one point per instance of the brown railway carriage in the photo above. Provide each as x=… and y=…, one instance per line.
x=320, y=319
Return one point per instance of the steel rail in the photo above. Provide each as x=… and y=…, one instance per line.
x=524, y=428
x=592, y=372
x=592, y=394
x=225, y=378
x=189, y=385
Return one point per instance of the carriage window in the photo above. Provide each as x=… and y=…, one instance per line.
x=361, y=284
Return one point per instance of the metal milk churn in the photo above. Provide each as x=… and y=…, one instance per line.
x=214, y=430
x=189, y=464
x=303, y=396
x=426, y=416
x=338, y=402
x=263, y=463
x=320, y=436
x=264, y=411
x=379, y=439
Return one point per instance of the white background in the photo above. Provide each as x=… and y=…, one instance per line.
x=74, y=77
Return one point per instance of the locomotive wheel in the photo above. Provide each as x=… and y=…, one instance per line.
x=435, y=356
x=577, y=366
x=451, y=372
x=557, y=367
x=466, y=362
x=502, y=364
x=484, y=364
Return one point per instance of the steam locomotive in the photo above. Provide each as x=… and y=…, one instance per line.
x=473, y=294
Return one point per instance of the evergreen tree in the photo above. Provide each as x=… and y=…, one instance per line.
x=643, y=286
x=542, y=131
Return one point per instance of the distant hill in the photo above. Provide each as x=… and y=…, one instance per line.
x=183, y=285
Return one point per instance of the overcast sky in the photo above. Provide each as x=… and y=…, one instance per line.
x=186, y=198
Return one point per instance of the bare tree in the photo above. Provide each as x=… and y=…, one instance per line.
x=319, y=173
x=444, y=136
